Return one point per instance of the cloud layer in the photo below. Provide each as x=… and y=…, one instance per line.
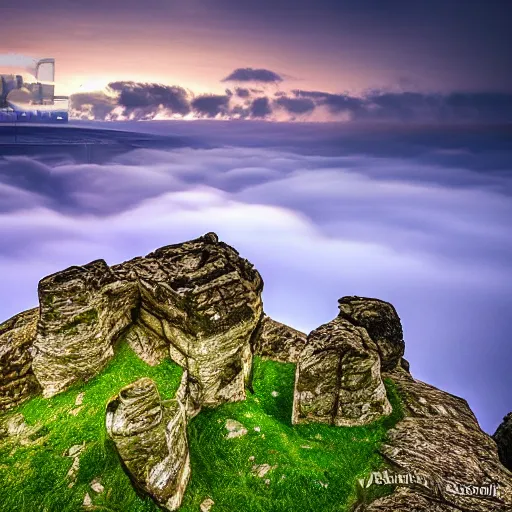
x=142, y=101
x=402, y=219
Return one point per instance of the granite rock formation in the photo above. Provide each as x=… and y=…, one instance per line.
x=381, y=321
x=278, y=342
x=338, y=377
x=197, y=302
x=440, y=439
x=202, y=302
x=151, y=439
x=503, y=438
x=17, y=380
x=82, y=312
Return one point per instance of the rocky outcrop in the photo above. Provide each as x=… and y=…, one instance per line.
x=382, y=323
x=151, y=439
x=440, y=440
x=203, y=302
x=278, y=342
x=338, y=379
x=82, y=312
x=503, y=438
x=17, y=380
x=197, y=302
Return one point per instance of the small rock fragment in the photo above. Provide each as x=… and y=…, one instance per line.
x=251, y=458
x=87, y=501
x=235, y=429
x=257, y=429
x=79, y=399
x=75, y=450
x=267, y=481
x=75, y=411
x=206, y=505
x=262, y=469
x=96, y=486
x=275, y=393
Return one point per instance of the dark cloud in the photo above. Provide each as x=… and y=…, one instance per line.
x=296, y=105
x=144, y=101
x=134, y=95
x=99, y=104
x=242, y=93
x=417, y=107
x=211, y=105
x=253, y=75
x=260, y=107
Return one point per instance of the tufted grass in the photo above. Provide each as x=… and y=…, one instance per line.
x=317, y=465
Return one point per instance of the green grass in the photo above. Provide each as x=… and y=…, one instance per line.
x=33, y=479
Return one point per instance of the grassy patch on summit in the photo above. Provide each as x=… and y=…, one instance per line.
x=33, y=478
x=317, y=465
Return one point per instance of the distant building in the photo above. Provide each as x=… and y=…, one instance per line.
x=33, y=102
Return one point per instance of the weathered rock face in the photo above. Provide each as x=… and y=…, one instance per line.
x=338, y=379
x=381, y=321
x=278, y=342
x=440, y=439
x=82, y=312
x=198, y=302
x=17, y=380
x=151, y=439
x=203, y=302
x=503, y=438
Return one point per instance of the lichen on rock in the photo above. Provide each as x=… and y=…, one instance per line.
x=17, y=380
x=151, y=439
x=82, y=312
x=278, y=342
x=338, y=379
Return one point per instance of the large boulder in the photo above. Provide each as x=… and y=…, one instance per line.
x=278, y=342
x=338, y=379
x=17, y=380
x=440, y=440
x=382, y=323
x=203, y=302
x=151, y=439
x=82, y=312
x=503, y=438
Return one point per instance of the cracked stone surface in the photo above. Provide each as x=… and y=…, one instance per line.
x=338, y=378
x=197, y=302
x=382, y=323
x=17, y=380
x=440, y=438
x=82, y=312
x=278, y=342
x=202, y=302
x=151, y=439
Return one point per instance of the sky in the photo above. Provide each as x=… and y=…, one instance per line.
x=338, y=47
x=354, y=147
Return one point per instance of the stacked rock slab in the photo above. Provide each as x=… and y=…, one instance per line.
x=503, y=438
x=151, y=439
x=82, y=312
x=198, y=302
x=203, y=302
x=338, y=379
x=278, y=342
x=17, y=380
x=381, y=321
